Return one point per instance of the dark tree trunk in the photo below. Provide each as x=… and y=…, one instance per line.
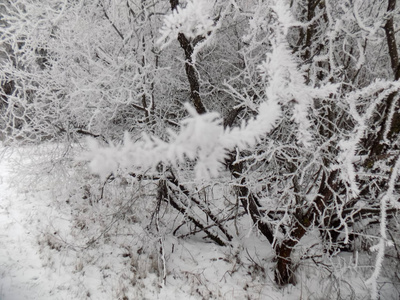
x=190, y=69
x=284, y=272
x=391, y=39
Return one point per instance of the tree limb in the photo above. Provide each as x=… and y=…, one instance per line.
x=391, y=39
x=190, y=69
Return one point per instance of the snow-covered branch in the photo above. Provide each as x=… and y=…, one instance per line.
x=201, y=138
x=193, y=20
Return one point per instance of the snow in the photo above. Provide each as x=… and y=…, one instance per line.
x=22, y=275
x=194, y=20
x=189, y=142
x=47, y=249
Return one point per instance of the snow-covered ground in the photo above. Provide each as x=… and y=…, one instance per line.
x=54, y=244
x=22, y=275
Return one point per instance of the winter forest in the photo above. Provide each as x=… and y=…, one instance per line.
x=199, y=149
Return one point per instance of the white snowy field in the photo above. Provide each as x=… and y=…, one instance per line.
x=22, y=275
x=54, y=244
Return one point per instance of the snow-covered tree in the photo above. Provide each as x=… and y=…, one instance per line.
x=297, y=99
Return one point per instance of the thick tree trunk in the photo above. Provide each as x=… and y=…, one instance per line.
x=284, y=272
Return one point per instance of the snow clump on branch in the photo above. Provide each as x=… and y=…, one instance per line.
x=201, y=138
x=193, y=20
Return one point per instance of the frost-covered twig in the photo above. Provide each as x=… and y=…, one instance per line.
x=386, y=200
x=349, y=146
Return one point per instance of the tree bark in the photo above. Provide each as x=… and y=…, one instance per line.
x=391, y=39
x=246, y=197
x=284, y=272
x=249, y=203
x=190, y=69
